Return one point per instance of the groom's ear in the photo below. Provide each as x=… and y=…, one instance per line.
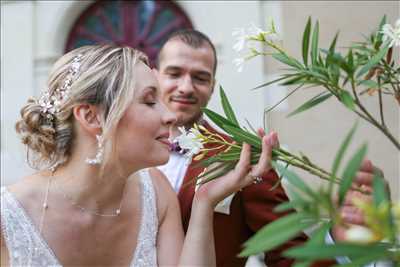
x=88, y=117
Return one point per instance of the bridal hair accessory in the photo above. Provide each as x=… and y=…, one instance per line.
x=51, y=103
x=99, y=154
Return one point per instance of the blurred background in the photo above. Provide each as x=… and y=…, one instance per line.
x=35, y=33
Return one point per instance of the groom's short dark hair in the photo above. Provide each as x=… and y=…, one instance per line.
x=192, y=38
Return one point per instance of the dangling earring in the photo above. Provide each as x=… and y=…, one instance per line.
x=99, y=155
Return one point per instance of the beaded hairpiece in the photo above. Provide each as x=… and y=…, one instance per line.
x=51, y=103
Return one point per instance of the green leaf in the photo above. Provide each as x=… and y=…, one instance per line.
x=350, y=171
x=319, y=251
x=369, y=83
x=294, y=204
x=285, y=206
x=294, y=179
x=340, y=154
x=379, y=193
x=271, y=82
x=229, y=113
x=295, y=80
x=287, y=60
x=338, y=59
x=303, y=264
x=242, y=136
x=346, y=98
x=363, y=260
x=318, y=237
x=276, y=233
x=373, y=61
x=350, y=60
x=333, y=44
x=217, y=119
x=306, y=41
x=211, y=175
x=311, y=103
x=314, y=44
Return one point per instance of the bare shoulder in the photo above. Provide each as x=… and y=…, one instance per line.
x=161, y=182
x=166, y=196
x=29, y=190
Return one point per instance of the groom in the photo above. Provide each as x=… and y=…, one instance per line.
x=187, y=65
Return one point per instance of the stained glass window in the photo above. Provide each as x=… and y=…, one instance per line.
x=139, y=24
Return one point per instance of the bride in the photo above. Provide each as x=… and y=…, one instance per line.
x=92, y=135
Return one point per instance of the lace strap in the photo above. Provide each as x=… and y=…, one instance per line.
x=145, y=254
x=24, y=244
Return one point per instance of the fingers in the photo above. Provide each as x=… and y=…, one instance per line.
x=351, y=195
x=364, y=178
x=264, y=163
x=366, y=173
x=352, y=215
x=243, y=166
x=366, y=166
x=261, y=132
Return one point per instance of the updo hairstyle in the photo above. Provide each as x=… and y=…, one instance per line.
x=105, y=79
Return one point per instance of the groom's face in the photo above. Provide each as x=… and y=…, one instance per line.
x=186, y=79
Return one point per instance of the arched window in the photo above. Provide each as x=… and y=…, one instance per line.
x=140, y=24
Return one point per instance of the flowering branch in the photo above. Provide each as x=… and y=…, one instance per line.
x=367, y=64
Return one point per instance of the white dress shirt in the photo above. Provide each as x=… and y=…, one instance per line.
x=175, y=169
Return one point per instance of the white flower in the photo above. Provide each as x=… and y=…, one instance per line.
x=391, y=34
x=253, y=30
x=359, y=234
x=239, y=63
x=189, y=140
x=273, y=37
x=241, y=39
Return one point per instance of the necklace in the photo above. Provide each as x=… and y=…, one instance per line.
x=115, y=213
x=45, y=206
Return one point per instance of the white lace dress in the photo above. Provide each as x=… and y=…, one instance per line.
x=27, y=247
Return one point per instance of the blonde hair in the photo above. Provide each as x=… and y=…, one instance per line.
x=105, y=79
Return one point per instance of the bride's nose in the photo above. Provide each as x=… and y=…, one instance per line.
x=168, y=117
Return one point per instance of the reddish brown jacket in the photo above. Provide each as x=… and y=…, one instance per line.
x=251, y=209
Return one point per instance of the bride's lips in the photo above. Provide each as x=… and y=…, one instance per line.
x=164, y=138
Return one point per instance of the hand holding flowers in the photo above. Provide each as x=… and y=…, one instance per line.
x=244, y=172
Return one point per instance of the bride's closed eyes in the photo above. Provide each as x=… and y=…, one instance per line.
x=150, y=96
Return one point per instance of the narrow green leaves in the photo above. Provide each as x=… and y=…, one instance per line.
x=379, y=194
x=229, y=113
x=332, y=47
x=350, y=172
x=311, y=103
x=306, y=41
x=314, y=44
x=294, y=179
x=319, y=251
x=373, y=61
x=343, y=147
x=217, y=119
x=287, y=60
x=241, y=136
x=347, y=100
x=270, y=82
x=277, y=233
